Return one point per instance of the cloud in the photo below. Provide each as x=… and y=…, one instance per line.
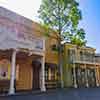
x=27, y=8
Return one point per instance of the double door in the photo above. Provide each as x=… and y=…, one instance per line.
x=84, y=75
x=91, y=77
x=81, y=77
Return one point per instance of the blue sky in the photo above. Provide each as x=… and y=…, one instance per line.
x=90, y=10
x=91, y=21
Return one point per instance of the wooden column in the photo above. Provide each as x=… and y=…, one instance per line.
x=12, y=75
x=43, y=74
x=96, y=76
x=74, y=75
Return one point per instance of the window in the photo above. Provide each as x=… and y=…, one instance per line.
x=46, y=74
x=50, y=71
x=54, y=47
x=4, y=69
x=71, y=55
x=3, y=72
x=81, y=56
x=52, y=74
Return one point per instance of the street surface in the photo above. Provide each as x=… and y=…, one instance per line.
x=61, y=94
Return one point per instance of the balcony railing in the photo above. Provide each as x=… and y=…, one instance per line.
x=72, y=57
x=89, y=59
x=19, y=39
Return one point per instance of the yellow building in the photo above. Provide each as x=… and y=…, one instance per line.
x=51, y=55
x=28, y=59
x=81, y=69
x=97, y=59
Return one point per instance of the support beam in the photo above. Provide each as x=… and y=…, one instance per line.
x=96, y=76
x=43, y=74
x=12, y=77
x=74, y=75
x=61, y=75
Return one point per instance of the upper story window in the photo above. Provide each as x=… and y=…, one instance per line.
x=54, y=44
x=81, y=56
x=86, y=56
x=71, y=55
x=4, y=69
x=54, y=47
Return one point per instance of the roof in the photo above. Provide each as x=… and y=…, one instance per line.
x=17, y=18
x=84, y=47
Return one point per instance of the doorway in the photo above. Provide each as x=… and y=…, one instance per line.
x=91, y=77
x=81, y=81
x=36, y=65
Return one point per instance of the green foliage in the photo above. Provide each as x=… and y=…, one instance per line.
x=62, y=16
x=78, y=38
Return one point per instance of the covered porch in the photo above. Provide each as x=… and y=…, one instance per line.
x=27, y=74
x=85, y=74
x=22, y=62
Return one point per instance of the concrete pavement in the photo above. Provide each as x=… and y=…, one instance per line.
x=60, y=94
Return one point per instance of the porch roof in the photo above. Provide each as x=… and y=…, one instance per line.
x=86, y=62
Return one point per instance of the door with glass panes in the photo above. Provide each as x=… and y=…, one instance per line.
x=81, y=81
x=91, y=77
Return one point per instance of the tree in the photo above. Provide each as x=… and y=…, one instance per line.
x=63, y=17
x=78, y=38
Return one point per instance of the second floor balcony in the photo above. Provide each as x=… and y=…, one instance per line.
x=74, y=56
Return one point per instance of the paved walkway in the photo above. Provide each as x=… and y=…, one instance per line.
x=61, y=94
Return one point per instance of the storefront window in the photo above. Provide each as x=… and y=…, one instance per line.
x=4, y=72
x=4, y=65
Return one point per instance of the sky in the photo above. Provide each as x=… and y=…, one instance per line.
x=90, y=12
x=91, y=22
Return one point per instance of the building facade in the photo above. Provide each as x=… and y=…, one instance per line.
x=97, y=59
x=28, y=59
x=81, y=69
x=22, y=54
x=51, y=55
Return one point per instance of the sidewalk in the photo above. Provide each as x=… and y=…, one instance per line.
x=31, y=92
